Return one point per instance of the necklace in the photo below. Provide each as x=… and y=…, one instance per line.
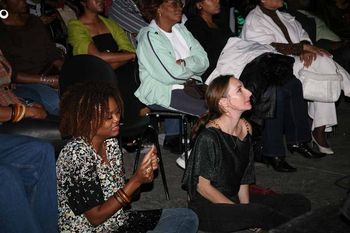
x=215, y=124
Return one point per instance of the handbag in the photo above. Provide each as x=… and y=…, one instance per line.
x=195, y=89
x=320, y=87
x=322, y=81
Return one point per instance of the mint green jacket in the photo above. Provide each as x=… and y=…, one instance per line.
x=157, y=64
x=79, y=37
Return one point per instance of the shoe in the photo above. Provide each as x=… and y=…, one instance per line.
x=173, y=144
x=279, y=164
x=322, y=149
x=180, y=161
x=305, y=150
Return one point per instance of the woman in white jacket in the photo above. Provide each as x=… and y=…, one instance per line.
x=266, y=25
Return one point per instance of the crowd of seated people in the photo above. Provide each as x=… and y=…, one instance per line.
x=92, y=187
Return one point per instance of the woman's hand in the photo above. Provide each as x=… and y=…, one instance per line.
x=315, y=50
x=35, y=112
x=310, y=54
x=144, y=173
x=307, y=58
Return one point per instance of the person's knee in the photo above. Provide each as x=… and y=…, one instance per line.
x=42, y=148
x=184, y=218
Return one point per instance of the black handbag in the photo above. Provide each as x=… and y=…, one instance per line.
x=195, y=89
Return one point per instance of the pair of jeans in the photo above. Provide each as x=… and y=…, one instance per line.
x=176, y=220
x=291, y=120
x=28, y=196
x=41, y=94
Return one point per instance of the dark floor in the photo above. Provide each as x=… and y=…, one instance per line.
x=319, y=180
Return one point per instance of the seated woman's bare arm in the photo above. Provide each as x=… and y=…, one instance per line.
x=243, y=194
x=114, y=59
x=210, y=192
x=101, y=213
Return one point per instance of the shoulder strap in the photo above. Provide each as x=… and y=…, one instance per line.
x=160, y=61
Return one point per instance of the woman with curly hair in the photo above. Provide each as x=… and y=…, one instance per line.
x=92, y=188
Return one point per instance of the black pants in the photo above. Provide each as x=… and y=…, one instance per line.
x=263, y=211
x=291, y=120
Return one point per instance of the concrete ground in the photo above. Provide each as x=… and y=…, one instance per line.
x=324, y=181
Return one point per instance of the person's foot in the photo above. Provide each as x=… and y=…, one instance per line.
x=173, y=143
x=319, y=139
x=319, y=135
x=304, y=150
x=279, y=164
x=180, y=161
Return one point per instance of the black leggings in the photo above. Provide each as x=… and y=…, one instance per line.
x=265, y=212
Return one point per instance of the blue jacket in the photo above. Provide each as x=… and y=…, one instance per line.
x=157, y=64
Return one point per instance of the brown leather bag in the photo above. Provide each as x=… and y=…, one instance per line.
x=195, y=89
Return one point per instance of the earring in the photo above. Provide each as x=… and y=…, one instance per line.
x=159, y=14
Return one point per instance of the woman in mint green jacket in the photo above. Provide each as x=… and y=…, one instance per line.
x=168, y=55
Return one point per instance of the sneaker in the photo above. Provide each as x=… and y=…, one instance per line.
x=180, y=161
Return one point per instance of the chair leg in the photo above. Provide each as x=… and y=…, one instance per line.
x=161, y=165
x=137, y=156
x=185, y=139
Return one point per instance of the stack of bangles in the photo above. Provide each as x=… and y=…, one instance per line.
x=122, y=197
x=46, y=80
x=18, y=111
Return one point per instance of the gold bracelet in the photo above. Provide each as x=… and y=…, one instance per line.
x=20, y=110
x=16, y=107
x=124, y=195
x=119, y=199
x=23, y=111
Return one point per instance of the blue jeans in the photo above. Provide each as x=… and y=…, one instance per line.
x=42, y=94
x=177, y=220
x=28, y=197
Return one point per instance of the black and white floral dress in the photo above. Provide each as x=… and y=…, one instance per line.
x=84, y=182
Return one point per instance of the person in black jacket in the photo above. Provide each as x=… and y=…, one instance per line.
x=210, y=33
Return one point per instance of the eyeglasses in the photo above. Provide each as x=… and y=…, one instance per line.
x=175, y=3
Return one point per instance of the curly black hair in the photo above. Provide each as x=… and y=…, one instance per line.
x=83, y=108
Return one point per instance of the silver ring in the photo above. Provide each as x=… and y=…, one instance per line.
x=158, y=159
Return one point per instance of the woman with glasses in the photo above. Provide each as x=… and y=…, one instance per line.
x=168, y=56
